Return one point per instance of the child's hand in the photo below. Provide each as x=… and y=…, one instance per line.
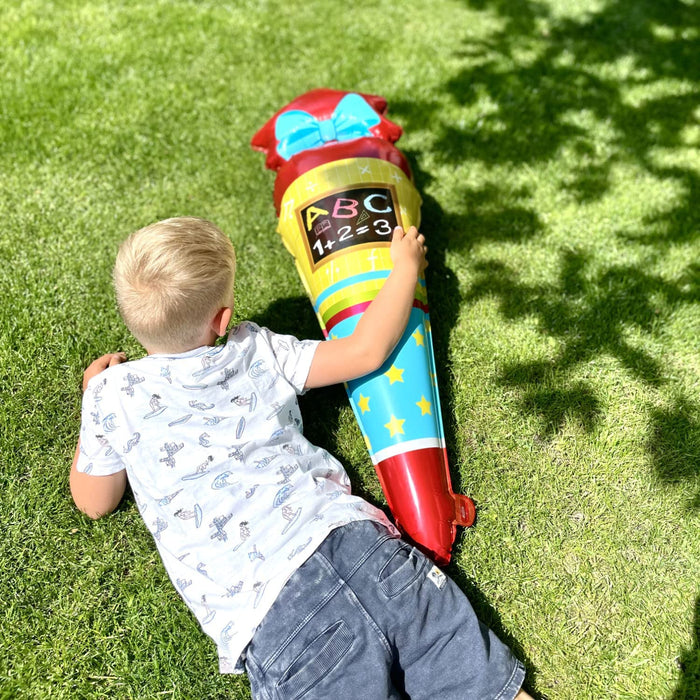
x=101, y=364
x=409, y=249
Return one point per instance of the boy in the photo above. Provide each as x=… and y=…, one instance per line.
x=300, y=583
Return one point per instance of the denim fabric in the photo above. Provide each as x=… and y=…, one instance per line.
x=368, y=616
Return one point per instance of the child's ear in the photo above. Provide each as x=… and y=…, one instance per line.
x=220, y=322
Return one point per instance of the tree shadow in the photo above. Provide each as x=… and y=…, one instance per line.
x=689, y=663
x=543, y=86
x=529, y=100
x=490, y=214
x=590, y=314
x=561, y=73
x=674, y=445
x=614, y=86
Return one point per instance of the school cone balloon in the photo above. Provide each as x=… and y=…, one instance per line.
x=341, y=189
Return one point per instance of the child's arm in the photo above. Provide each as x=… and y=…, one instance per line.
x=381, y=325
x=97, y=495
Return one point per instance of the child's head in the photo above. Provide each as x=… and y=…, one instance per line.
x=171, y=278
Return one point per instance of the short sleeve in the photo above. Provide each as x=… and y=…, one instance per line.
x=293, y=356
x=95, y=457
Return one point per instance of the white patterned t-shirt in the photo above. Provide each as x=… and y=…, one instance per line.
x=234, y=495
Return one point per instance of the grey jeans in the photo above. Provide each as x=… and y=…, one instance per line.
x=368, y=616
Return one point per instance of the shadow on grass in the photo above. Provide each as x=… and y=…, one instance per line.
x=689, y=663
x=616, y=86
x=559, y=75
x=674, y=443
x=550, y=86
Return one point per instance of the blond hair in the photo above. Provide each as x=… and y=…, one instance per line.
x=171, y=278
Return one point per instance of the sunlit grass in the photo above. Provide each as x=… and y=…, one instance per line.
x=556, y=148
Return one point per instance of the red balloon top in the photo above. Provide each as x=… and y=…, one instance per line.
x=324, y=125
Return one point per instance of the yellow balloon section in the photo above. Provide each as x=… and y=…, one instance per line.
x=337, y=221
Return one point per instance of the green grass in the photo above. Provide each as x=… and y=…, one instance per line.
x=557, y=148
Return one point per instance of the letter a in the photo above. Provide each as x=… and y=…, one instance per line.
x=312, y=213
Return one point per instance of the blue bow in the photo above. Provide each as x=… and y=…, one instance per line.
x=298, y=131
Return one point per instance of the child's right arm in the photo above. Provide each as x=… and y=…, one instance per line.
x=97, y=495
x=381, y=325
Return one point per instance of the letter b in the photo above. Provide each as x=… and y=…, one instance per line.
x=345, y=205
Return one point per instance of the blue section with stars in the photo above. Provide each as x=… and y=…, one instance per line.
x=399, y=402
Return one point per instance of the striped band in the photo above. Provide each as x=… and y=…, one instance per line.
x=409, y=446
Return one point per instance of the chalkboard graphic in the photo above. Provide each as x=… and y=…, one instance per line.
x=346, y=218
x=341, y=188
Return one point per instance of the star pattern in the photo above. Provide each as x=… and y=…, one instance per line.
x=425, y=406
x=384, y=409
x=395, y=374
x=395, y=426
x=386, y=403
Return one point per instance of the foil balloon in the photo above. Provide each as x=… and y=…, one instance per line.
x=341, y=188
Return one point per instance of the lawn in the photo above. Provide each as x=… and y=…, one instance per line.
x=556, y=145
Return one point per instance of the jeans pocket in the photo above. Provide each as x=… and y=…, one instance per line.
x=317, y=660
x=401, y=570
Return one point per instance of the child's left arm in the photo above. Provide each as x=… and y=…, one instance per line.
x=97, y=495
x=382, y=324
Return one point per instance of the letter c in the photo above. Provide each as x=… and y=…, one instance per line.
x=369, y=206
